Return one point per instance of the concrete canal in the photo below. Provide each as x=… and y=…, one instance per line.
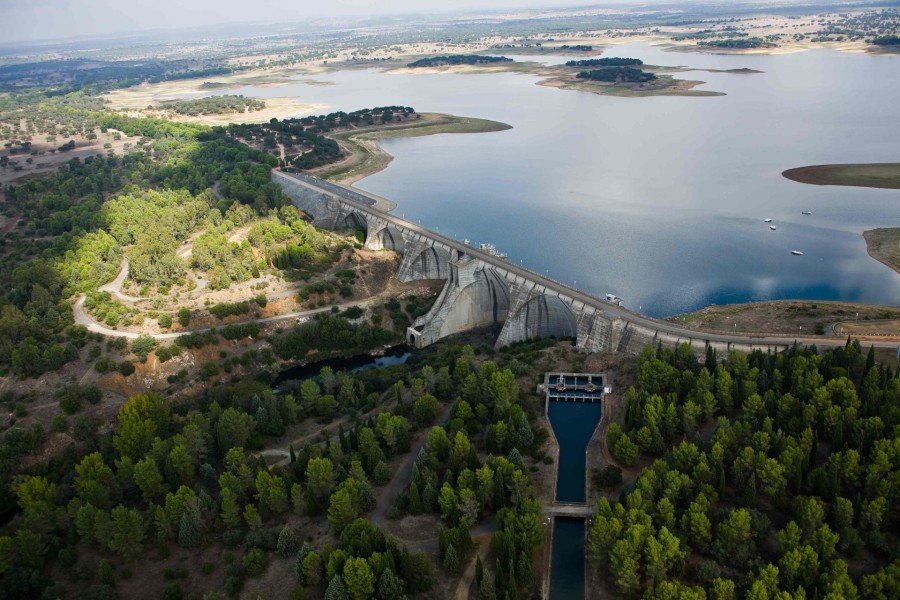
x=574, y=415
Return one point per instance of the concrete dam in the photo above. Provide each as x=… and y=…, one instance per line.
x=484, y=289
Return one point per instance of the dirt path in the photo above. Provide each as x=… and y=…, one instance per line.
x=482, y=545
x=404, y=472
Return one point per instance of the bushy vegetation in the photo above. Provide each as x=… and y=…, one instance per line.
x=301, y=142
x=165, y=478
x=457, y=59
x=329, y=333
x=617, y=75
x=773, y=475
x=147, y=202
x=214, y=105
x=487, y=415
x=605, y=62
x=887, y=40
x=739, y=43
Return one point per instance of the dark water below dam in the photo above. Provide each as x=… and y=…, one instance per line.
x=567, y=569
x=573, y=425
x=393, y=356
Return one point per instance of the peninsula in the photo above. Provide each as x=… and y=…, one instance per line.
x=873, y=175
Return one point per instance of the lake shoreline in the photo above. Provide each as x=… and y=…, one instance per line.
x=883, y=244
x=365, y=156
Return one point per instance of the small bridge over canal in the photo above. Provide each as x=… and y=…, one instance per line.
x=580, y=510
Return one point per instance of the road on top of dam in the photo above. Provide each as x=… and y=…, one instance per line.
x=362, y=201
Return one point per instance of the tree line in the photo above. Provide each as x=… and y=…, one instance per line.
x=768, y=476
x=457, y=59
x=617, y=75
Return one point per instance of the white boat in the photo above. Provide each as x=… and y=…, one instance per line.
x=796, y=253
x=772, y=227
x=767, y=220
x=806, y=212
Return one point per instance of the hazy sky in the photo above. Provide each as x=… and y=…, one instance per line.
x=26, y=20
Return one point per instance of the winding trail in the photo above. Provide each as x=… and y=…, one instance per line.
x=114, y=287
x=83, y=318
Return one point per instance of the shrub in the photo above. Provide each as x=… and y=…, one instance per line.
x=608, y=477
x=142, y=346
x=165, y=321
x=126, y=368
x=184, y=317
x=59, y=424
x=209, y=369
x=255, y=562
x=354, y=312
x=70, y=404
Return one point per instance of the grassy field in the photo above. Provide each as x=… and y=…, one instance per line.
x=884, y=246
x=366, y=157
x=874, y=175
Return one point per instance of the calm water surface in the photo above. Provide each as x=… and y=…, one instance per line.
x=659, y=200
x=567, y=567
x=573, y=425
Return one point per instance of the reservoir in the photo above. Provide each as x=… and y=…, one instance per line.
x=659, y=200
x=573, y=425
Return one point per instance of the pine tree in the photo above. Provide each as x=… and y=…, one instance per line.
x=451, y=560
x=188, y=535
x=336, y=589
x=287, y=542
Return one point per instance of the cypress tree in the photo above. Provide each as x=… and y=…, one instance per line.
x=479, y=571
x=415, y=501
x=512, y=587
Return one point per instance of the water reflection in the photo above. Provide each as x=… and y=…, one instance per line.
x=659, y=200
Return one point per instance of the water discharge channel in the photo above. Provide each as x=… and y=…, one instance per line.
x=573, y=425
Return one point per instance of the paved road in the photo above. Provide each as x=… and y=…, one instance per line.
x=364, y=203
